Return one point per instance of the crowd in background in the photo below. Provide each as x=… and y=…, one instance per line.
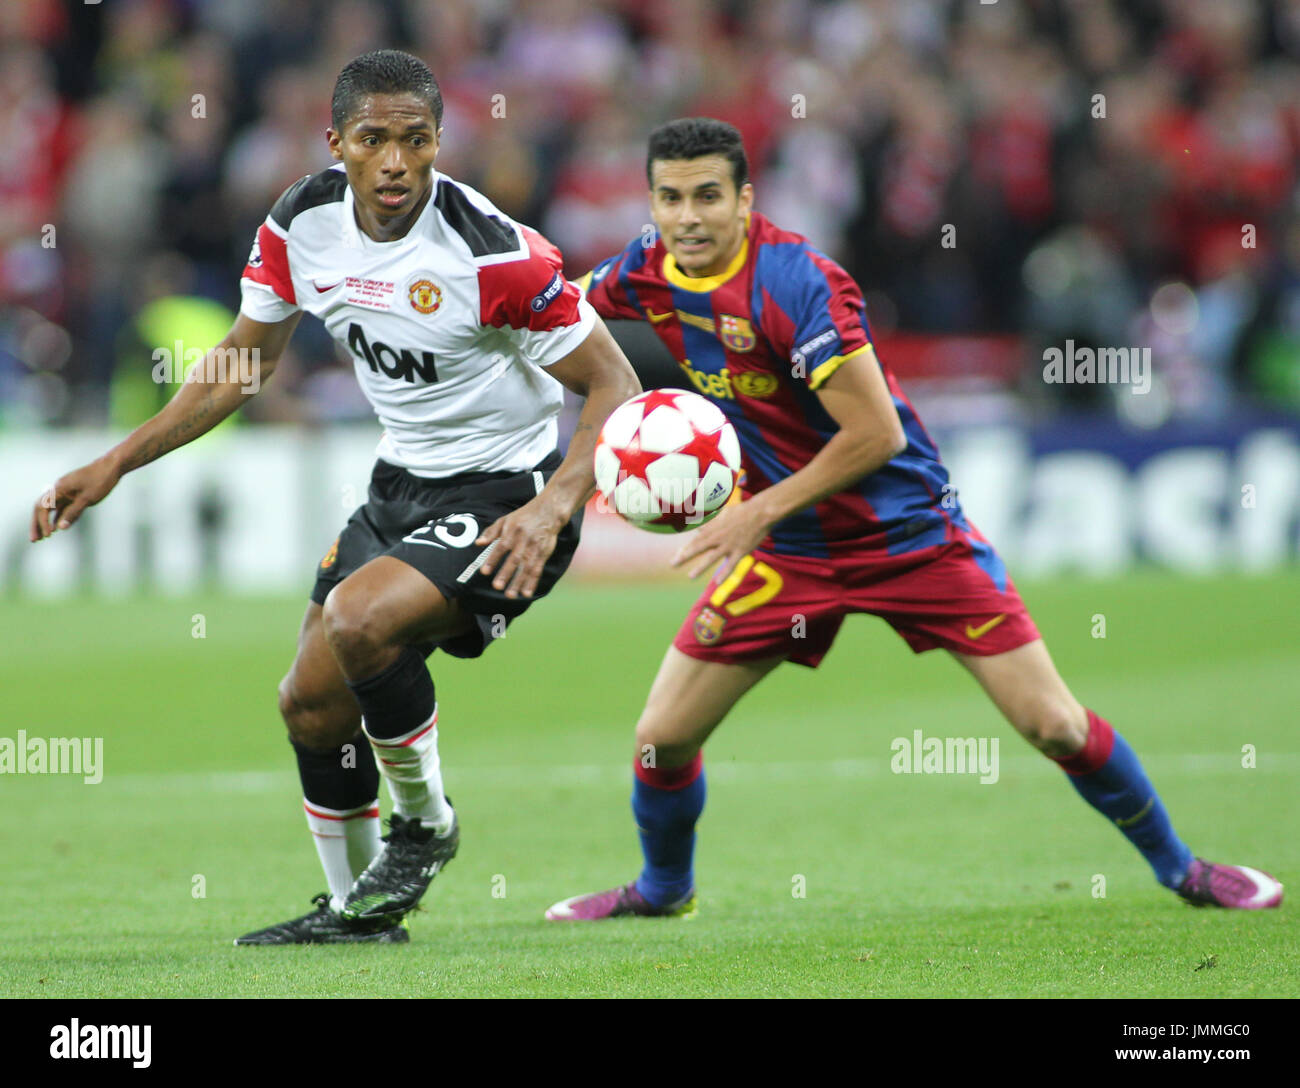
x=1116, y=173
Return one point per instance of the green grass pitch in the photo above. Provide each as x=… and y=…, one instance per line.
x=914, y=885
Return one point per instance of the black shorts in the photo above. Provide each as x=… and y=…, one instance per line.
x=431, y=525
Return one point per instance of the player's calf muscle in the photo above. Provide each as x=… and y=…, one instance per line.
x=322, y=722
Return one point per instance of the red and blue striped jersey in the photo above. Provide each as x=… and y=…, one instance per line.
x=758, y=340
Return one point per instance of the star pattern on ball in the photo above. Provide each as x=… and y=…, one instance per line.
x=634, y=460
x=659, y=398
x=704, y=447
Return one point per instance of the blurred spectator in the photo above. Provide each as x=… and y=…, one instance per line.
x=37, y=131
x=598, y=201
x=1053, y=168
x=170, y=329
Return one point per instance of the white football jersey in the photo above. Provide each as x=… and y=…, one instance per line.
x=448, y=327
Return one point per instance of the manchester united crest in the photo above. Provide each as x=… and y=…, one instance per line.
x=736, y=332
x=708, y=626
x=425, y=295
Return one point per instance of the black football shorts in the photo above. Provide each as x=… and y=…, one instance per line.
x=431, y=525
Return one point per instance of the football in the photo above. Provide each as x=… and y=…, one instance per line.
x=667, y=460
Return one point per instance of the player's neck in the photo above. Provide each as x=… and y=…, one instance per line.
x=388, y=230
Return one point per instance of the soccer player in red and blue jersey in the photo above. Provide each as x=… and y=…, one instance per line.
x=847, y=509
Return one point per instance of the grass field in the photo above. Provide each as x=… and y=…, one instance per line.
x=916, y=885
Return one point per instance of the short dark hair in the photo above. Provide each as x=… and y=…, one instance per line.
x=385, y=71
x=693, y=137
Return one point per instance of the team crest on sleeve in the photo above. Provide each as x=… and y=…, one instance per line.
x=425, y=296
x=736, y=332
x=708, y=626
x=330, y=556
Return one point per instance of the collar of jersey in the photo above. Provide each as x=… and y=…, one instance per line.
x=364, y=240
x=702, y=284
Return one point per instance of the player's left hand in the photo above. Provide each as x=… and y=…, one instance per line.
x=525, y=539
x=729, y=537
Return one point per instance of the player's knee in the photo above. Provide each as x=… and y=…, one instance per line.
x=659, y=744
x=353, y=627
x=1056, y=727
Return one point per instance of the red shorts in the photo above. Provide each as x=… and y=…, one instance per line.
x=955, y=595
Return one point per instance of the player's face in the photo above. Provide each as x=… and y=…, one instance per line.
x=387, y=147
x=700, y=215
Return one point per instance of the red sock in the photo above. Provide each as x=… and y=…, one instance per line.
x=1096, y=749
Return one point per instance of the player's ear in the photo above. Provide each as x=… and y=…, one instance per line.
x=335, y=141
x=745, y=201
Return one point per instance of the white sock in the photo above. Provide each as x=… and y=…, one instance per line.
x=346, y=840
x=411, y=768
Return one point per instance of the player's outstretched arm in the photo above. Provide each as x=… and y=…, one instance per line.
x=870, y=433
x=598, y=370
x=198, y=406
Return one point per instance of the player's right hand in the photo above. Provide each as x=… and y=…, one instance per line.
x=61, y=505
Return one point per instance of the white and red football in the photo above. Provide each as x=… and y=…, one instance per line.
x=667, y=460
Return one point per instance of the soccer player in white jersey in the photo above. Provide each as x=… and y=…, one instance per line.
x=463, y=330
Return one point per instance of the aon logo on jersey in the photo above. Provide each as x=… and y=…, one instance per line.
x=395, y=362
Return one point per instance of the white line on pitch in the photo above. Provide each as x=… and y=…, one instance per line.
x=718, y=770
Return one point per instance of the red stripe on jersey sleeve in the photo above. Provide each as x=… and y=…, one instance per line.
x=846, y=306
x=269, y=264
x=608, y=297
x=530, y=292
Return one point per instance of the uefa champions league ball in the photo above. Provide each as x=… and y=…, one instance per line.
x=667, y=460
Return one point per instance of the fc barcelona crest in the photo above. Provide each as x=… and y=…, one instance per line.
x=736, y=332
x=708, y=626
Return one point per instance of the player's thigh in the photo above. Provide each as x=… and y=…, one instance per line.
x=314, y=697
x=689, y=698
x=387, y=602
x=1024, y=684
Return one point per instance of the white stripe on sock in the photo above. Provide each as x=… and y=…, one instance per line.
x=411, y=767
x=346, y=841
